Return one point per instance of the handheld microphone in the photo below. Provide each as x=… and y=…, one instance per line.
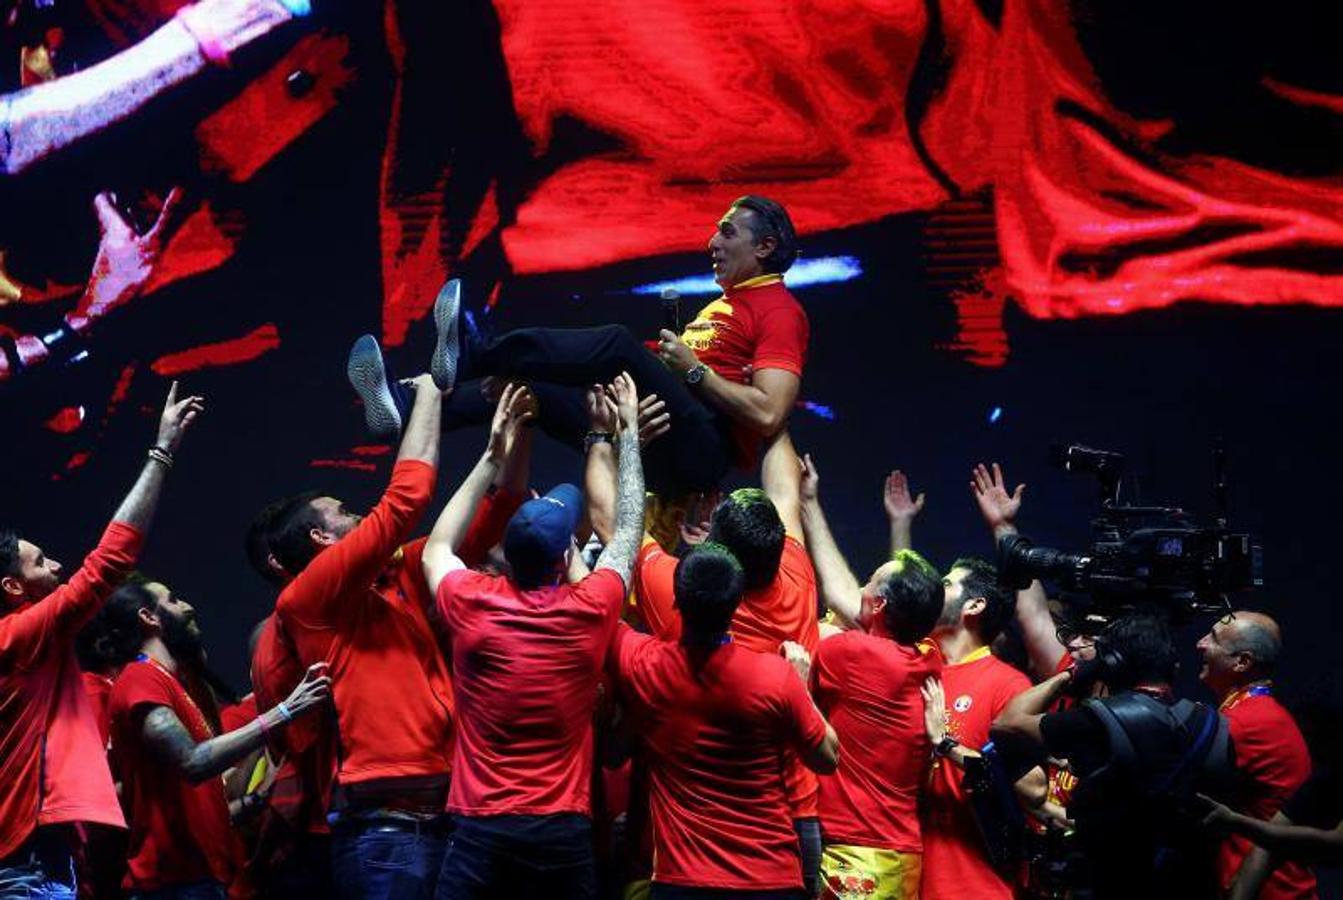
x=671, y=310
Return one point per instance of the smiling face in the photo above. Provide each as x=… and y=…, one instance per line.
x=733, y=250
x=1224, y=665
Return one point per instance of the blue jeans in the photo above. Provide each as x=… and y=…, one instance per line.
x=41, y=869
x=519, y=856
x=387, y=859
x=196, y=890
x=809, y=841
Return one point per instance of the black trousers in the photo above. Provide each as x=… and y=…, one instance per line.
x=560, y=363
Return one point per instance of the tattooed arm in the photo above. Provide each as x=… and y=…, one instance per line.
x=167, y=737
x=629, y=528
x=39, y=121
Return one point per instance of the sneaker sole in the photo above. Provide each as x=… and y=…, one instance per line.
x=447, y=348
x=368, y=377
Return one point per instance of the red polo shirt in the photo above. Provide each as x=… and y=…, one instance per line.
x=1272, y=762
x=715, y=726
x=784, y=610
x=526, y=668
x=360, y=605
x=180, y=832
x=954, y=862
x=53, y=762
x=868, y=688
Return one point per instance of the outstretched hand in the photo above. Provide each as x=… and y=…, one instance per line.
x=516, y=407
x=654, y=420
x=602, y=416
x=996, y=505
x=126, y=258
x=797, y=657
x=897, y=499
x=176, y=418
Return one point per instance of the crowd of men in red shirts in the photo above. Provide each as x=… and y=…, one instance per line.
x=489, y=711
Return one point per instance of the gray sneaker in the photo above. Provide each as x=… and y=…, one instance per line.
x=386, y=403
x=448, y=324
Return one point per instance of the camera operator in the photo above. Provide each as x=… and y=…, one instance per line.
x=1238, y=656
x=1140, y=755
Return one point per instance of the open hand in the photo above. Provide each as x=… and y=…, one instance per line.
x=996, y=505
x=176, y=418
x=126, y=258
x=654, y=420
x=602, y=416
x=896, y=497
x=516, y=407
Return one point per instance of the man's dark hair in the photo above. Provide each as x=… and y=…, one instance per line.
x=9, y=552
x=1259, y=642
x=1145, y=652
x=115, y=633
x=292, y=520
x=771, y=221
x=530, y=572
x=748, y=525
x=258, y=543
x=913, y=593
x=708, y=583
x=981, y=581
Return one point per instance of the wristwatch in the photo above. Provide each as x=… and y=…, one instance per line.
x=945, y=746
x=597, y=437
x=695, y=374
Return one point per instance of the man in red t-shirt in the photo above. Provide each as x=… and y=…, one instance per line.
x=867, y=682
x=715, y=719
x=1239, y=654
x=763, y=531
x=729, y=380
x=527, y=655
x=170, y=746
x=357, y=601
x=53, y=768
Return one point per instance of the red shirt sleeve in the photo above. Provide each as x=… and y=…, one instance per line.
x=487, y=526
x=782, y=343
x=654, y=585
x=352, y=563
x=626, y=647
x=604, y=589
x=27, y=634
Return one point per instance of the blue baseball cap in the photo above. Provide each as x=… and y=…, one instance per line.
x=542, y=529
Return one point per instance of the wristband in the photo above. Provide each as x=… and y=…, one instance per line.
x=284, y=711
x=298, y=8
x=205, y=36
x=597, y=437
x=944, y=747
x=161, y=456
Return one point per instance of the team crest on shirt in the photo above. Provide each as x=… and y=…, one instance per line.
x=962, y=703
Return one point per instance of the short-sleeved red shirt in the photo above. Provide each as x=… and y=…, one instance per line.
x=715, y=726
x=179, y=831
x=868, y=688
x=783, y=610
x=954, y=862
x=526, y=669
x=1272, y=762
x=755, y=325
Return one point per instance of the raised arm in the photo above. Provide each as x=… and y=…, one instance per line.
x=781, y=477
x=137, y=510
x=901, y=510
x=516, y=407
x=39, y=121
x=839, y=588
x=620, y=551
x=999, y=509
x=1279, y=837
x=169, y=739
